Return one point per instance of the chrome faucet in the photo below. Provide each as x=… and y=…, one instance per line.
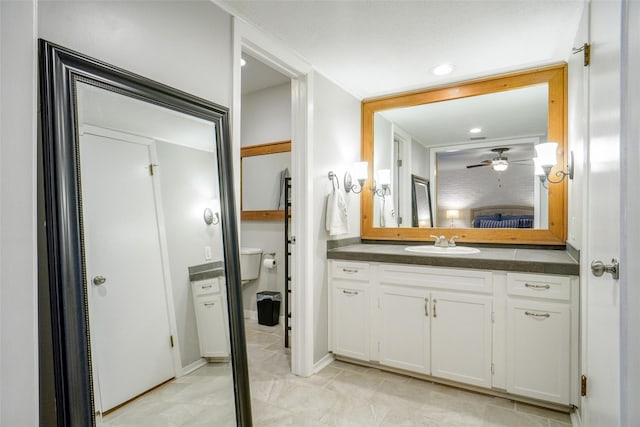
x=442, y=242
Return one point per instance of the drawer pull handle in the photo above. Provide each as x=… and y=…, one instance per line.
x=435, y=313
x=545, y=315
x=426, y=307
x=350, y=293
x=209, y=304
x=350, y=270
x=534, y=286
x=206, y=286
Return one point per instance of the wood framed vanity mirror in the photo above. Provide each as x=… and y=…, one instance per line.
x=263, y=168
x=427, y=133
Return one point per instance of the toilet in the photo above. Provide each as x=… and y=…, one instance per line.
x=250, y=264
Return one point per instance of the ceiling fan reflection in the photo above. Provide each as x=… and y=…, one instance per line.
x=500, y=162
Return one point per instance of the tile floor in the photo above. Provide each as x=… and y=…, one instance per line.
x=340, y=395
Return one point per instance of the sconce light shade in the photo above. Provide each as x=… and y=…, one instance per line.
x=547, y=159
x=360, y=173
x=547, y=153
x=537, y=167
x=453, y=214
x=384, y=176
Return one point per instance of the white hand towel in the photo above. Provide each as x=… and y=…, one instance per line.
x=337, y=221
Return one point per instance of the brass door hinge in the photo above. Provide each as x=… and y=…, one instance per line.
x=171, y=340
x=586, y=49
x=152, y=167
x=583, y=385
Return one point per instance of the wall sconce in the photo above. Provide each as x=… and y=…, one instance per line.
x=211, y=217
x=384, y=178
x=452, y=214
x=546, y=160
x=360, y=173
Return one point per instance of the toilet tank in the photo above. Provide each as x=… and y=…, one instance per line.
x=250, y=263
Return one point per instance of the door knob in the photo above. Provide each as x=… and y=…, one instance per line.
x=598, y=268
x=99, y=280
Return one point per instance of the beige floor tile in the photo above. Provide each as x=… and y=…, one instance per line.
x=496, y=416
x=542, y=412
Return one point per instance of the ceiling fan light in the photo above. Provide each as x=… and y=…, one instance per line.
x=499, y=165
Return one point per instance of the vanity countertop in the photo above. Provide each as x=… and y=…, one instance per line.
x=545, y=261
x=206, y=271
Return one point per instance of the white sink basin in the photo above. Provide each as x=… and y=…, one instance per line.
x=435, y=250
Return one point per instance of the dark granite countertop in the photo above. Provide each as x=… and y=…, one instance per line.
x=206, y=271
x=545, y=261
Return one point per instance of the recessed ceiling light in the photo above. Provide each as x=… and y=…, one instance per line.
x=475, y=130
x=243, y=62
x=442, y=69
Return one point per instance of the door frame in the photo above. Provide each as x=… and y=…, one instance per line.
x=247, y=38
x=162, y=235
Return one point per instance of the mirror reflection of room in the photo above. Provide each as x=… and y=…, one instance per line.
x=153, y=252
x=477, y=153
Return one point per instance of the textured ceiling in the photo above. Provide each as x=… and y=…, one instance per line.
x=372, y=48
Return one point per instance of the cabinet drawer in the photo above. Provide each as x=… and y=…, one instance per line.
x=442, y=278
x=204, y=287
x=539, y=286
x=350, y=270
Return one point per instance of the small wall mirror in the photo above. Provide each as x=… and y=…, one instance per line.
x=264, y=168
x=421, y=215
x=473, y=143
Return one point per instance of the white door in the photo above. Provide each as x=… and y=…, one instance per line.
x=404, y=328
x=128, y=312
x=601, y=361
x=461, y=338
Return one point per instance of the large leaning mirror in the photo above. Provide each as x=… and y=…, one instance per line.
x=474, y=144
x=142, y=246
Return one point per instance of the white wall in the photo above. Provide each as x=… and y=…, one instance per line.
x=419, y=160
x=188, y=181
x=336, y=146
x=577, y=134
x=266, y=117
x=18, y=285
x=630, y=157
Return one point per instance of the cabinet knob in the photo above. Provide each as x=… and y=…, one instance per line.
x=99, y=280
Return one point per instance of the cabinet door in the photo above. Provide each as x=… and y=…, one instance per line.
x=461, y=338
x=350, y=321
x=539, y=350
x=212, y=330
x=404, y=328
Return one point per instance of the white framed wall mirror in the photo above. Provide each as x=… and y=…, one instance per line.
x=131, y=168
x=475, y=142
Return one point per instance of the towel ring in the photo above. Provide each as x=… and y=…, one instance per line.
x=334, y=180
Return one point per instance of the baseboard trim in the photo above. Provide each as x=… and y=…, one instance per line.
x=192, y=367
x=323, y=363
x=576, y=421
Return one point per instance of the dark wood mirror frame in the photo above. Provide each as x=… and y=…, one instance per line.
x=556, y=78
x=60, y=69
x=261, y=150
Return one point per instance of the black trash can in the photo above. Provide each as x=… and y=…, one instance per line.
x=268, y=307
